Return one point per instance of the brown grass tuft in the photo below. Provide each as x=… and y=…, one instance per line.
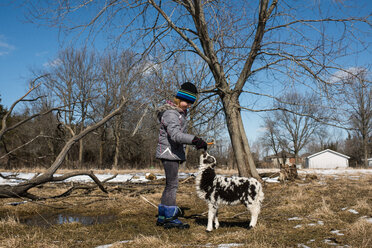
x=9, y=221
x=324, y=211
x=361, y=233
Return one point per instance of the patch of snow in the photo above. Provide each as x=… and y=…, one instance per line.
x=354, y=177
x=132, y=177
x=330, y=242
x=366, y=218
x=218, y=246
x=295, y=218
x=229, y=245
x=337, y=232
x=340, y=171
x=298, y=226
x=271, y=180
x=353, y=211
x=109, y=245
x=320, y=223
x=20, y=177
x=303, y=246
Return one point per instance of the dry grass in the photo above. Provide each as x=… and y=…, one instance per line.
x=321, y=206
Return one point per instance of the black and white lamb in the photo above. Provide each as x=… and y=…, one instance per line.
x=219, y=190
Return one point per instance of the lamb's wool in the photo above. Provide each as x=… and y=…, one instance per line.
x=217, y=190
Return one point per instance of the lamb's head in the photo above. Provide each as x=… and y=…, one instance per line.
x=207, y=161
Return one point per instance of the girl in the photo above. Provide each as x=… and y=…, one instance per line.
x=171, y=151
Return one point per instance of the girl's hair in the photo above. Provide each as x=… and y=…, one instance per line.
x=177, y=101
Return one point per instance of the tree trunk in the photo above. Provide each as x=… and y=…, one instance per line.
x=100, y=162
x=239, y=141
x=247, y=150
x=81, y=145
x=117, y=145
x=101, y=146
x=365, y=151
x=116, y=157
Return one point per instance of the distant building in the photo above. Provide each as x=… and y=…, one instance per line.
x=369, y=162
x=327, y=159
x=280, y=158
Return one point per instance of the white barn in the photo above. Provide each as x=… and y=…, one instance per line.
x=327, y=159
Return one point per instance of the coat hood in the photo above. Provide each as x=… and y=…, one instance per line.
x=167, y=106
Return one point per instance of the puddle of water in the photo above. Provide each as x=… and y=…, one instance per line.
x=58, y=219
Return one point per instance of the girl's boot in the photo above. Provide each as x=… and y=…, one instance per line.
x=171, y=218
x=161, y=215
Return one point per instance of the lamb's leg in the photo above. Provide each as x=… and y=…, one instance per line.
x=212, y=209
x=216, y=223
x=255, y=210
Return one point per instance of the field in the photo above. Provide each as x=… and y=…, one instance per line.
x=326, y=211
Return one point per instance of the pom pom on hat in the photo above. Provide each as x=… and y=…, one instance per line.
x=188, y=92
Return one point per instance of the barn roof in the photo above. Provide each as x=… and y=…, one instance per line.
x=328, y=150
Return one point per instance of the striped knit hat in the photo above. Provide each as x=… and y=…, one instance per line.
x=188, y=92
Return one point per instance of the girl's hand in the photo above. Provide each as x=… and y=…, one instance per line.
x=199, y=143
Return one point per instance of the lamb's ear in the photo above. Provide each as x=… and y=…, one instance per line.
x=210, y=160
x=204, y=153
x=214, y=162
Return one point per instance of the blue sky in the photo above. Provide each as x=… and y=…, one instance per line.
x=25, y=46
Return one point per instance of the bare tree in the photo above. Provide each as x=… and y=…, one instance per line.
x=356, y=96
x=72, y=78
x=4, y=125
x=248, y=47
x=24, y=120
x=122, y=75
x=21, y=190
x=271, y=138
x=293, y=126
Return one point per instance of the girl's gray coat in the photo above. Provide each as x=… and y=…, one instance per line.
x=172, y=136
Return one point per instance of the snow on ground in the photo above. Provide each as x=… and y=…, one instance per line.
x=132, y=177
x=341, y=171
x=109, y=245
x=353, y=174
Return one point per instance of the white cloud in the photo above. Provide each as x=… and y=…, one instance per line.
x=53, y=63
x=343, y=74
x=149, y=68
x=41, y=54
x=5, y=47
x=261, y=130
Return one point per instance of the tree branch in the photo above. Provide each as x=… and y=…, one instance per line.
x=4, y=128
x=178, y=30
